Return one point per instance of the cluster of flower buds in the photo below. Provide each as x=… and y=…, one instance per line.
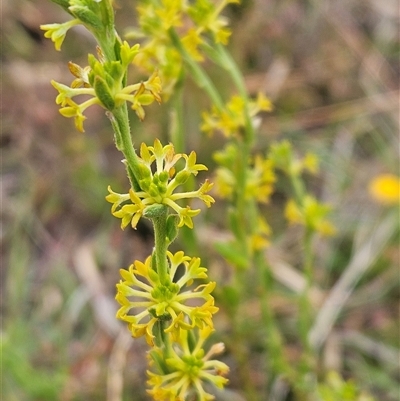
x=260, y=175
x=103, y=82
x=158, y=188
x=183, y=373
x=231, y=120
x=155, y=299
x=304, y=209
x=195, y=22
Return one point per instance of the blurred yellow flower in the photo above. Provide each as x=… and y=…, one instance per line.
x=385, y=188
x=311, y=214
x=230, y=121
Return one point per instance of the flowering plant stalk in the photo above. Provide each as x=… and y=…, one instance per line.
x=246, y=179
x=155, y=301
x=157, y=295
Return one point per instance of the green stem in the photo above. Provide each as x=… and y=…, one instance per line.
x=177, y=131
x=123, y=141
x=198, y=74
x=241, y=179
x=305, y=312
x=161, y=245
x=307, y=368
x=239, y=348
x=297, y=185
x=223, y=58
x=273, y=340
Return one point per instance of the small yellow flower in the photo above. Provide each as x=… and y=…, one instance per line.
x=142, y=292
x=260, y=180
x=311, y=214
x=232, y=119
x=310, y=163
x=142, y=94
x=81, y=74
x=222, y=35
x=385, y=188
x=192, y=41
x=116, y=199
x=262, y=103
x=57, y=32
x=187, y=369
x=72, y=109
x=225, y=182
x=259, y=240
x=260, y=177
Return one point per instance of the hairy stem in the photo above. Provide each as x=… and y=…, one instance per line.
x=161, y=245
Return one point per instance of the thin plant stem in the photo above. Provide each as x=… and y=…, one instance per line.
x=277, y=362
x=238, y=348
x=161, y=245
x=237, y=77
x=177, y=124
x=197, y=72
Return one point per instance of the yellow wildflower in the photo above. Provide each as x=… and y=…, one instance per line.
x=57, y=32
x=150, y=300
x=158, y=188
x=385, y=188
x=311, y=214
x=187, y=369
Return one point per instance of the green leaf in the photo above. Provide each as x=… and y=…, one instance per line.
x=63, y=3
x=172, y=227
x=103, y=93
x=233, y=253
x=114, y=71
x=230, y=297
x=88, y=17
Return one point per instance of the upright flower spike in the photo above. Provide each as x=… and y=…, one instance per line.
x=142, y=293
x=159, y=187
x=185, y=371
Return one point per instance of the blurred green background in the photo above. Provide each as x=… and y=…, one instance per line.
x=331, y=69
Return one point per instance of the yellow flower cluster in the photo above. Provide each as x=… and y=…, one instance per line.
x=194, y=22
x=260, y=175
x=304, y=209
x=158, y=187
x=157, y=297
x=102, y=81
x=182, y=374
x=231, y=120
x=143, y=293
x=283, y=158
x=312, y=214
